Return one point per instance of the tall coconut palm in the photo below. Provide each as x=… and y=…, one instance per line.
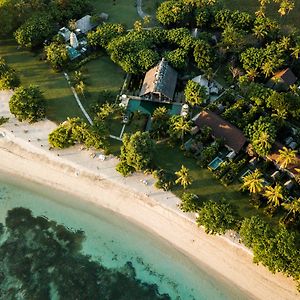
x=80, y=87
x=180, y=126
x=253, y=182
x=183, y=177
x=280, y=115
x=286, y=156
x=274, y=194
x=285, y=7
x=252, y=74
x=292, y=207
x=268, y=68
x=296, y=51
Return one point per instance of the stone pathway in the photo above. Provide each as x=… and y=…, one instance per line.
x=140, y=10
x=78, y=100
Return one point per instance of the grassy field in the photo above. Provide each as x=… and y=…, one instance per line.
x=101, y=74
x=33, y=71
x=204, y=184
x=252, y=6
x=123, y=11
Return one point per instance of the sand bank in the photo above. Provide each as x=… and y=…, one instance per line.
x=24, y=152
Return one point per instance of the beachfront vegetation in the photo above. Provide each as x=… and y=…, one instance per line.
x=136, y=153
x=190, y=202
x=277, y=249
x=242, y=50
x=183, y=177
x=8, y=77
x=216, y=217
x=28, y=104
x=74, y=130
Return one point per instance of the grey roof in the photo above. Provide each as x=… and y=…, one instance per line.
x=161, y=79
x=84, y=24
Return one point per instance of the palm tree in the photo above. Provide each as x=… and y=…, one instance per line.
x=252, y=74
x=268, y=68
x=253, y=182
x=285, y=7
x=280, y=115
x=181, y=126
x=183, y=177
x=296, y=51
x=285, y=42
x=80, y=87
x=292, y=207
x=286, y=157
x=274, y=194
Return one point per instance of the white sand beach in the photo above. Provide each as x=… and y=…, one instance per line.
x=24, y=152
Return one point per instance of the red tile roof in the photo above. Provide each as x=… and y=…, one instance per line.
x=234, y=137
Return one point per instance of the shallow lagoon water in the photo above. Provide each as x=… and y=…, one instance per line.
x=114, y=240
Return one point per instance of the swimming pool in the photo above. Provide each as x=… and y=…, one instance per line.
x=148, y=107
x=213, y=165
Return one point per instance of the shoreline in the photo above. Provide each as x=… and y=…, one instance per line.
x=74, y=172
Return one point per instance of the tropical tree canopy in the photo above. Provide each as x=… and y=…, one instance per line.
x=179, y=126
x=286, y=157
x=274, y=195
x=253, y=182
x=8, y=77
x=262, y=135
x=136, y=152
x=190, y=202
x=28, y=104
x=216, y=217
x=183, y=177
x=194, y=93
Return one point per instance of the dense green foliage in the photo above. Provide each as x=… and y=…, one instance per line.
x=277, y=249
x=262, y=135
x=179, y=127
x=35, y=30
x=28, y=104
x=134, y=51
x=8, y=77
x=203, y=55
x=173, y=13
x=194, y=93
x=160, y=123
x=216, y=217
x=136, y=153
x=74, y=131
x=16, y=13
x=57, y=55
x=165, y=180
x=190, y=202
x=104, y=34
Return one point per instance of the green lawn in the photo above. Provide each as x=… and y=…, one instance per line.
x=204, y=184
x=252, y=6
x=124, y=11
x=60, y=100
x=101, y=74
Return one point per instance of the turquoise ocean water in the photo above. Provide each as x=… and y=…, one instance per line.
x=113, y=241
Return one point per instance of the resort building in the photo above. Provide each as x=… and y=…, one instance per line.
x=233, y=137
x=84, y=24
x=274, y=156
x=282, y=80
x=159, y=83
